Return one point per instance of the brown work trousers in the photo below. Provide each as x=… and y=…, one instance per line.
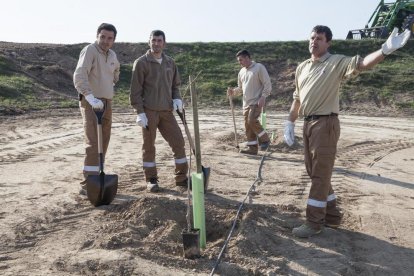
x=171, y=132
x=252, y=125
x=320, y=138
x=91, y=162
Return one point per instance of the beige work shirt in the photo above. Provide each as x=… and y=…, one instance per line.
x=317, y=83
x=96, y=72
x=255, y=82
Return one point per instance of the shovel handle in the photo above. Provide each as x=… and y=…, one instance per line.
x=99, y=114
x=234, y=121
x=187, y=131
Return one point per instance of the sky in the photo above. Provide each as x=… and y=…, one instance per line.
x=76, y=21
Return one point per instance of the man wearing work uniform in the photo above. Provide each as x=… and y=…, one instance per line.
x=154, y=96
x=316, y=100
x=254, y=83
x=94, y=79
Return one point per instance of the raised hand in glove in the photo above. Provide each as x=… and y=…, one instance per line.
x=289, y=133
x=395, y=41
x=178, y=104
x=142, y=120
x=94, y=102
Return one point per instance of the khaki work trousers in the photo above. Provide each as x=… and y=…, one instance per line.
x=171, y=132
x=91, y=162
x=252, y=125
x=320, y=138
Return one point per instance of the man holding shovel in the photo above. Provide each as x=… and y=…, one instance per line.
x=94, y=78
x=316, y=100
x=154, y=96
x=254, y=83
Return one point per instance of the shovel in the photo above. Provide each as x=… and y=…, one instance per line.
x=234, y=121
x=101, y=189
x=206, y=171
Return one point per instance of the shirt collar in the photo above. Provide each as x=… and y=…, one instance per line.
x=322, y=58
x=100, y=49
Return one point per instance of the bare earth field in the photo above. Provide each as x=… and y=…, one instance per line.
x=47, y=228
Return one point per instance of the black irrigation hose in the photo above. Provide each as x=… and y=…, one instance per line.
x=252, y=188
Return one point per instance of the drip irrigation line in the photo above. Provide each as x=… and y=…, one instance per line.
x=258, y=180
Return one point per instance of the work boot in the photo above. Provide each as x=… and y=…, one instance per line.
x=183, y=183
x=305, y=231
x=332, y=225
x=252, y=150
x=152, y=185
x=264, y=145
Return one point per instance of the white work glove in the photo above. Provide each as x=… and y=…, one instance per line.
x=142, y=120
x=94, y=102
x=289, y=133
x=395, y=41
x=178, y=104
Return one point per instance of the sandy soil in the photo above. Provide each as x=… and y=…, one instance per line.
x=47, y=228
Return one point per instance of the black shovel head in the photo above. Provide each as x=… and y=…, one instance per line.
x=101, y=189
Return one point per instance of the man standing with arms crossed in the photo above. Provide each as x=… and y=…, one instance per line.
x=254, y=83
x=154, y=96
x=94, y=78
x=316, y=99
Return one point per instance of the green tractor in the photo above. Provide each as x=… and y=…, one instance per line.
x=386, y=16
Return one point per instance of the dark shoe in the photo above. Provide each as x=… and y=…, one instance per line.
x=305, y=231
x=264, y=145
x=252, y=150
x=183, y=183
x=152, y=185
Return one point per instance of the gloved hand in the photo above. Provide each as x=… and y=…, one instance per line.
x=395, y=41
x=289, y=133
x=94, y=102
x=142, y=120
x=178, y=104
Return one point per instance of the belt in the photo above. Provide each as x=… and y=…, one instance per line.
x=316, y=117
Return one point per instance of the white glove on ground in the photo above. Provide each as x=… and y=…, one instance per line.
x=178, y=104
x=395, y=41
x=94, y=102
x=289, y=133
x=142, y=120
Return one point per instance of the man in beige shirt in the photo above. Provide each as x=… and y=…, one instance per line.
x=316, y=99
x=254, y=83
x=94, y=78
x=154, y=96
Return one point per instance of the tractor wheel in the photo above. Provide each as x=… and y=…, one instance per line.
x=409, y=23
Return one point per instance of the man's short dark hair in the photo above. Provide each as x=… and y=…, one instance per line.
x=157, y=33
x=243, y=53
x=108, y=27
x=320, y=29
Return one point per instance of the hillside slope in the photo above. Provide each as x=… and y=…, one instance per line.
x=39, y=76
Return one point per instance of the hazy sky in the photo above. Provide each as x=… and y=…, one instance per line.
x=75, y=21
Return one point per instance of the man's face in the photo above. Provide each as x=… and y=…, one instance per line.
x=105, y=39
x=157, y=44
x=318, y=45
x=244, y=61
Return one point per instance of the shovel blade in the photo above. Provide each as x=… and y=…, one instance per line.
x=191, y=243
x=101, y=189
